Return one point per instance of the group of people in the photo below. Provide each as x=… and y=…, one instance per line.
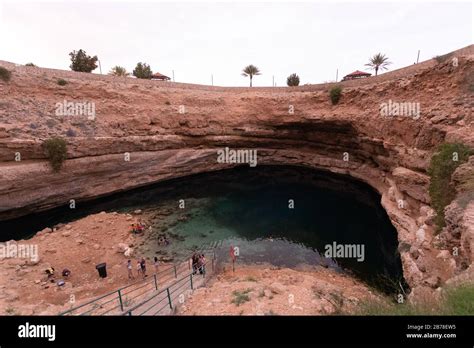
x=50, y=273
x=163, y=241
x=141, y=267
x=199, y=263
x=138, y=228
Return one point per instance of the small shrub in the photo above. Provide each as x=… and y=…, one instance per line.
x=387, y=307
x=455, y=300
x=441, y=168
x=335, y=94
x=71, y=133
x=337, y=300
x=127, y=302
x=5, y=74
x=62, y=82
x=250, y=279
x=10, y=311
x=82, y=62
x=142, y=71
x=240, y=297
x=443, y=58
x=56, y=151
x=167, y=102
x=293, y=80
x=403, y=247
x=459, y=300
x=30, y=64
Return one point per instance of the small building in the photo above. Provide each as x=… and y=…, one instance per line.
x=161, y=77
x=356, y=75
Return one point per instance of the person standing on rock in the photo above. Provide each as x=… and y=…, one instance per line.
x=143, y=267
x=195, y=260
x=139, y=268
x=156, y=263
x=129, y=269
x=202, y=264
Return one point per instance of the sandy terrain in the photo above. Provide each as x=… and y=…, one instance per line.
x=79, y=247
x=273, y=291
x=82, y=244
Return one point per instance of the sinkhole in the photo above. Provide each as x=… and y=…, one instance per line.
x=282, y=215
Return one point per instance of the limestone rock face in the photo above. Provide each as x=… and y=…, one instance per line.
x=147, y=131
x=459, y=233
x=413, y=183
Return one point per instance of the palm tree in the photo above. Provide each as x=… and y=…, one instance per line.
x=250, y=71
x=378, y=61
x=119, y=71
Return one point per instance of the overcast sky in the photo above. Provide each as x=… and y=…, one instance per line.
x=195, y=39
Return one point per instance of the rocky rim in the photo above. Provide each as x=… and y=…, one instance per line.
x=173, y=130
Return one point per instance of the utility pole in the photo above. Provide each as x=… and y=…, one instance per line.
x=173, y=75
x=273, y=80
x=417, y=58
x=100, y=68
x=212, y=80
x=337, y=73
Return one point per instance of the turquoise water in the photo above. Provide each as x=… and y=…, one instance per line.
x=210, y=222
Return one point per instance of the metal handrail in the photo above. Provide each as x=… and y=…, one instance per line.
x=167, y=290
x=110, y=310
x=163, y=299
x=119, y=292
x=152, y=297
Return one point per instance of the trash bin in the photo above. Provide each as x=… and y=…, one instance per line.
x=102, y=268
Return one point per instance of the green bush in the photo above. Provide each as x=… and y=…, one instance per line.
x=387, y=307
x=56, y=151
x=459, y=300
x=62, y=82
x=82, y=62
x=335, y=94
x=443, y=58
x=442, y=166
x=240, y=297
x=142, y=71
x=455, y=300
x=293, y=80
x=5, y=74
